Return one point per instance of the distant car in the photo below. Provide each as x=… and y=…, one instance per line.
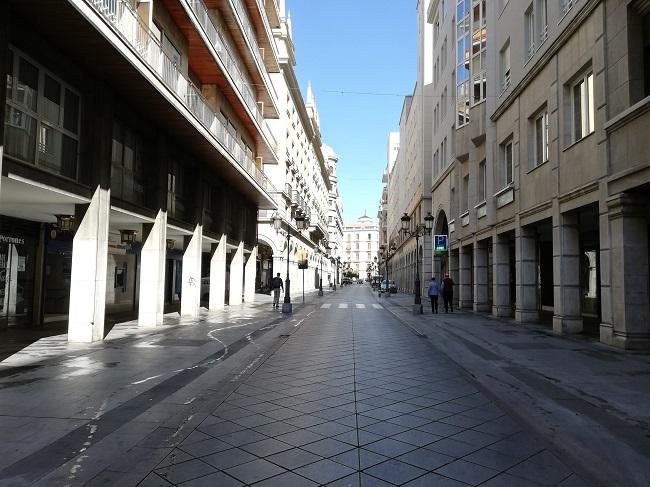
x=345, y=281
x=388, y=286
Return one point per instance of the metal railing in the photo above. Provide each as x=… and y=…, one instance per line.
x=242, y=84
x=123, y=19
x=240, y=8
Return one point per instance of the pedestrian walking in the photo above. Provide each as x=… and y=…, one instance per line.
x=433, y=292
x=276, y=285
x=448, y=293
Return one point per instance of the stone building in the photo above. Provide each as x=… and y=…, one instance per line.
x=134, y=140
x=410, y=179
x=303, y=177
x=542, y=185
x=360, y=246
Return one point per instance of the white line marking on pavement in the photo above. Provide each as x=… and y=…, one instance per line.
x=326, y=305
x=147, y=379
x=343, y=305
x=361, y=306
x=377, y=306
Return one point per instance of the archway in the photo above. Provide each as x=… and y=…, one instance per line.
x=441, y=258
x=265, y=269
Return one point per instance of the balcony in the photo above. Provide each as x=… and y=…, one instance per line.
x=123, y=19
x=197, y=10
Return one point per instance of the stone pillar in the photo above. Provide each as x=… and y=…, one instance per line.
x=11, y=280
x=454, y=273
x=89, y=263
x=152, y=272
x=567, y=313
x=218, y=275
x=629, y=301
x=250, y=274
x=237, y=276
x=526, y=261
x=501, y=305
x=481, y=303
x=465, y=279
x=191, y=283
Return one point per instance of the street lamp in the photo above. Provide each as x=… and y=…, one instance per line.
x=276, y=220
x=420, y=230
x=320, y=275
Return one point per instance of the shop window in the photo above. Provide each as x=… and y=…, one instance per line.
x=42, y=118
x=127, y=165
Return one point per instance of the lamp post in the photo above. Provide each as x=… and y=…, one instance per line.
x=391, y=253
x=336, y=278
x=320, y=275
x=276, y=220
x=421, y=229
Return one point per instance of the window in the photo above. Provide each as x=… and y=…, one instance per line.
x=463, y=56
x=127, y=165
x=505, y=66
x=529, y=27
x=506, y=164
x=542, y=16
x=177, y=190
x=369, y=237
x=565, y=6
x=481, y=181
x=541, y=138
x=582, y=103
x=479, y=50
x=41, y=118
x=465, y=195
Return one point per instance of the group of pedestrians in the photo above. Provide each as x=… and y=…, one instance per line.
x=444, y=288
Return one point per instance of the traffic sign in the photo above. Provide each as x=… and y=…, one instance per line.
x=440, y=243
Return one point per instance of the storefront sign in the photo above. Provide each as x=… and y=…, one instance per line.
x=12, y=240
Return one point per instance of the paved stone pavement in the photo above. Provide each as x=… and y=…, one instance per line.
x=587, y=399
x=352, y=398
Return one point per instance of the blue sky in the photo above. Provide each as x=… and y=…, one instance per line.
x=366, y=46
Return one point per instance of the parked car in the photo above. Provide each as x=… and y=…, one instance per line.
x=346, y=281
x=388, y=286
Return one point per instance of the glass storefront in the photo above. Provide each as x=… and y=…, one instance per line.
x=18, y=243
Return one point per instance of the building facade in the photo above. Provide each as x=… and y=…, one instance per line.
x=410, y=179
x=361, y=246
x=133, y=149
x=304, y=178
x=543, y=184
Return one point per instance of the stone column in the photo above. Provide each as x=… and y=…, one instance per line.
x=501, y=306
x=629, y=301
x=11, y=280
x=218, y=275
x=237, y=276
x=191, y=284
x=481, y=303
x=454, y=273
x=465, y=279
x=89, y=263
x=152, y=272
x=567, y=313
x=250, y=274
x=526, y=261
